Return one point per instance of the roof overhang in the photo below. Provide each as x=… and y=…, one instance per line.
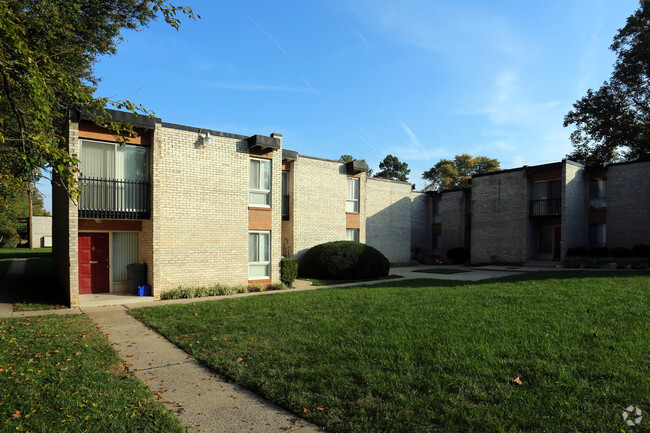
x=354, y=167
x=263, y=143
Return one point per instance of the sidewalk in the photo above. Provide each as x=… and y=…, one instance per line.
x=203, y=400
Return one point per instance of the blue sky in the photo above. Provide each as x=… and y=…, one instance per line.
x=422, y=80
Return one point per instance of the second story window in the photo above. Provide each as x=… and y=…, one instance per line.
x=597, y=193
x=260, y=182
x=285, y=195
x=114, y=180
x=352, y=202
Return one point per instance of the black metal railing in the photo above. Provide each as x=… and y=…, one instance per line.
x=546, y=207
x=114, y=198
x=285, y=207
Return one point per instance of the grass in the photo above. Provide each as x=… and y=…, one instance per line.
x=317, y=282
x=442, y=271
x=38, y=290
x=433, y=355
x=59, y=374
x=19, y=253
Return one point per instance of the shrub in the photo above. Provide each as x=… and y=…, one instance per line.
x=277, y=286
x=641, y=250
x=577, y=252
x=598, y=251
x=343, y=260
x=620, y=252
x=457, y=255
x=288, y=271
x=256, y=287
x=599, y=262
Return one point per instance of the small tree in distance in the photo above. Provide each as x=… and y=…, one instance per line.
x=456, y=173
x=392, y=168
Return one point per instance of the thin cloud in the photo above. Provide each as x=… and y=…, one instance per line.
x=268, y=35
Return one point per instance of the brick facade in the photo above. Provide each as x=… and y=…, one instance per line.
x=388, y=218
x=628, y=204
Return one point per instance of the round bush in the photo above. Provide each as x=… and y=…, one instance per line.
x=343, y=260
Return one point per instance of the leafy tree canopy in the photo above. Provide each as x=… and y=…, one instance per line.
x=392, y=168
x=16, y=207
x=451, y=174
x=613, y=123
x=47, y=52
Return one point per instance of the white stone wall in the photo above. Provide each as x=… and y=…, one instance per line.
x=388, y=218
x=421, y=220
x=575, y=202
x=319, y=194
x=41, y=227
x=628, y=204
x=200, y=210
x=499, y=217
x=452, y=210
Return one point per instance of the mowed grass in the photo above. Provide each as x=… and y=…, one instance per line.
x=318, y=282
x=424, y=355
x=58, y=374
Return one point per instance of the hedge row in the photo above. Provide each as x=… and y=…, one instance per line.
x=638, y=250
x=600, y=262
x=343, y=260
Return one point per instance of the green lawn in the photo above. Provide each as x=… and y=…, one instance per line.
x=445, y=271
x=317, y=282
x=59, y=374
x=424, y=355
x=15, y=253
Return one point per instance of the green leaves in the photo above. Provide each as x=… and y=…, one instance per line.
x=452, y=174
x=392, y=168
x=612, y=122
x=47, y=52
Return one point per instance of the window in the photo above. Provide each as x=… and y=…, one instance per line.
x=125, y=252
x=597, y=191
x=285, y=195
x=597, y=235
x=112, y=161
x=352, y=235
x=352, y=202
x=260, y=182
x=437, y=214
x=259, y=255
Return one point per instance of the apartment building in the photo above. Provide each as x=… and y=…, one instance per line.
x=539, y=212
x=200, y=207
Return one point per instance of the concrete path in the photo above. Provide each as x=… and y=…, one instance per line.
x=202, y=399
x=8, y=285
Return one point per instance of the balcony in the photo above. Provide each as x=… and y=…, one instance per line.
x=114, y=198
x=545, y=208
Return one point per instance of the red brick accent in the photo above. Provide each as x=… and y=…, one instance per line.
x=598, y=216
x=548, y=175
x=352, y=220
x=260, y=218
x=94, y=132
x=116, y=225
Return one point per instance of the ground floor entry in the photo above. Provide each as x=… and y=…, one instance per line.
x=94, y=263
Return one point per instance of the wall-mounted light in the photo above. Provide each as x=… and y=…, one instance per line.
x=207, y=139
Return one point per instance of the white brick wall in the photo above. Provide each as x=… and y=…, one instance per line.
x=388, y=218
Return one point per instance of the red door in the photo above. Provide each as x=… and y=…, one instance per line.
x=93, y=263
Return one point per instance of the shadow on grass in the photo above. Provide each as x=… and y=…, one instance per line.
x=38, y=290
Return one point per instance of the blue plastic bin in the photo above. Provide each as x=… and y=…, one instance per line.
x=144, y=290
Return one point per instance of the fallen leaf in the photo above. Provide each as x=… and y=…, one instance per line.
x=16, y=415
x=304, y=410
x=320, y=408
x=517, y=380
x=240, y=359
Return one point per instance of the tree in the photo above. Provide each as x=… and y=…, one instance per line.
x=349, y=158
x=613, y=123
x=392, y=168
x=47, y=52
x=17, y=206
x=451, y=174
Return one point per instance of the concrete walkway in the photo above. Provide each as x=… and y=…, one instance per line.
x=203, y=400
